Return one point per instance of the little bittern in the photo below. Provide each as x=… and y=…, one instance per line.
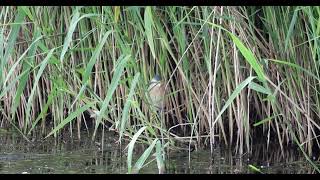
x=156, y=92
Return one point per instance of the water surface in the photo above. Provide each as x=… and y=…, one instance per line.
x=74, y=156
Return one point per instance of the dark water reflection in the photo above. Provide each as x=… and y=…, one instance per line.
x=85, y=156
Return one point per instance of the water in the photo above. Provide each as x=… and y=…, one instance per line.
x=78, y=157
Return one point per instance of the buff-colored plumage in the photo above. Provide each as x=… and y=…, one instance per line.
x=156, y=92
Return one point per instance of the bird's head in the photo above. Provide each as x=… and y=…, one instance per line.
x=155, y=79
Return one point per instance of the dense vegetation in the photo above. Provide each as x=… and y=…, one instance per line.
x=234, y=75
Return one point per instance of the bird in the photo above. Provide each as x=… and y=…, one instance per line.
x=156, y=91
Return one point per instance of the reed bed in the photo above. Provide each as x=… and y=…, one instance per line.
x=234, y=75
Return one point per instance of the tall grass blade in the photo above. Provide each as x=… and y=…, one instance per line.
x=92, y=62
x=125, y=112
x=249, y=56
x=148, y=23
x=94, y=57
x=44, y=110
x=131, y=146
x=266, y=120
x=140, y=162
x=122, y=61
x=116, y=13
x=295, y=66
x=291, y=27
x=26, y=67
x=160, y=157
x=255, y=169
x=12, y=40
x=71, y=117
x=259, y=88
x=35, y=85
x=75, y=19
x=234, y=94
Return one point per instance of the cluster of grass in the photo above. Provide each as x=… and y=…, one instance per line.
x=232, y=74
